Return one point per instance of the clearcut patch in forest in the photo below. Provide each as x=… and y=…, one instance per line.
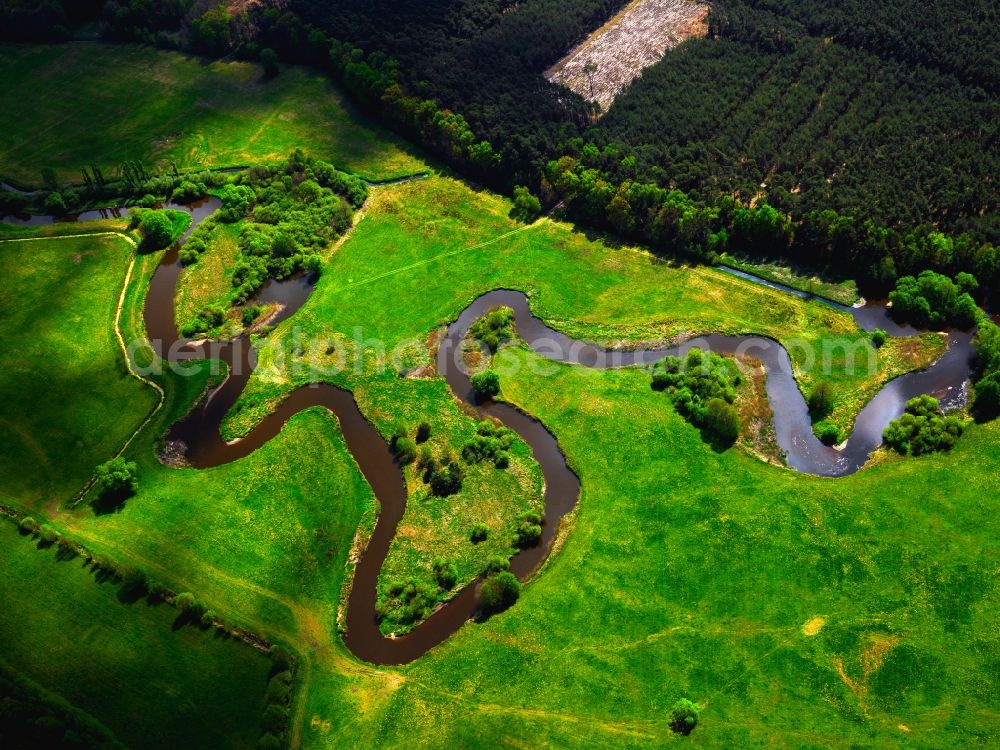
x=617, y=53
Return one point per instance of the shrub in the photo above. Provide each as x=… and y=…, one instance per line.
x=526, y=206
x=185, y=601
x=879, y=337
x=28, y=525
x=494, y=328
x=118, y=477
x=722, y=421
x=684, y=716
x=209, y=318
x=821, y=400
x=157, y=230
x=276, y=719
x=987, y=403
x=423, y=432
x=923, y=428
x=237, y=200
x=445, y=574
x=496, y=565
x=48, y=535
x=269, y=60
x=405, y=449
x=188, y=192
x=490, y=443
x=500, y=591
x=480, y=532
x=250, y=314
x=135, y=583
x=54, y=204
x=446, y=480
x=828, y=433
x=408, y=602
x=485, y=385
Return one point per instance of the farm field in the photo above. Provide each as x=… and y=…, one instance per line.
x=106, y=104
x=125, y=664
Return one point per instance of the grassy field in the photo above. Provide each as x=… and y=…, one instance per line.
x=436, y=245
x=104, y=104
x=69, y=403
x=845, y=292
x=799, y=612
x=125, y=664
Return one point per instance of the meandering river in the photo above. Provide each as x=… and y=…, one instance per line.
x=204, y=447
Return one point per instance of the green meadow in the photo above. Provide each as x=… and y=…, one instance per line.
x=69, y=402
x=106, y=104
x=154, y=684
x=797, y=611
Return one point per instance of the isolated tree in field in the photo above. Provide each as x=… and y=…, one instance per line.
x=527, y=207
x=157, y=231
x=684, y=716
x=118, y=477
x=500, y=591
x=485, y=385
x=269, y=59
x=821, y=400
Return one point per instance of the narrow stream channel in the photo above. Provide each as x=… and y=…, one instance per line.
x=199, y=431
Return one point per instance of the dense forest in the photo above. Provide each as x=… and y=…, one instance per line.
x=817, y=122
x=481, y=58
x=859, y=137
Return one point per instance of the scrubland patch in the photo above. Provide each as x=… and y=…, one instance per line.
x=617, y=53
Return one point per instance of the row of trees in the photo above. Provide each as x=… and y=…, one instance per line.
x=672, y=221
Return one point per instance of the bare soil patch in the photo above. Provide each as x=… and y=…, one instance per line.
x=617, y=53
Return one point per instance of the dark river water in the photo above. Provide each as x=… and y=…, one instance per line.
x=204, y=447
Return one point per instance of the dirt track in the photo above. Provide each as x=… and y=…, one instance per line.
x=614, y=55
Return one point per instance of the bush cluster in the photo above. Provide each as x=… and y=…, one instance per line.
x=529, y=530
x=702, y=386
x=932, y=300
x=923, y=428
x=491, y=443
x=445, y=477
x=208, y=319
x=494, y=328
x=409, y=601
x=287, y=216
